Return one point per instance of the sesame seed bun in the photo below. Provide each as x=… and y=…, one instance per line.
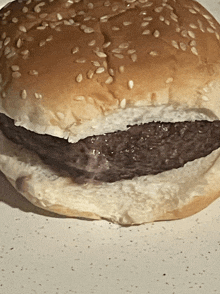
x=72, y=69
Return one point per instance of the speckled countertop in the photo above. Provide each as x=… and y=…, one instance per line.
x=43, y=253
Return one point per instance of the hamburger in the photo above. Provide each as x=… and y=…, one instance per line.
x=110, y=109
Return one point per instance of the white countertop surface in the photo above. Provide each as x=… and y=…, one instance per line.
x=43, y=253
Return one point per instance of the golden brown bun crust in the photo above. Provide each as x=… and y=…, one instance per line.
x=63, y=64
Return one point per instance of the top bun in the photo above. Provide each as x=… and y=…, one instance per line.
x=68, y=66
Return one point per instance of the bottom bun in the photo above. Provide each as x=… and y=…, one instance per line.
x=170, y=195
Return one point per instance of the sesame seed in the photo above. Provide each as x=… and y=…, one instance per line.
x=90, y=5
x=127, y=23
x=42, y=43
x=109, y=80
x=169, y=7
x=115, y=28
x=194, y=51
x=75, y=50
x=81, y=12
x=147, y=4
x=31, y=16
x=25, y=52
x=19, y=43
x=205, y=98
x=24, y=9
x=134, y=57
x=131, y=51
x=206, y=90
x=38, y=95
x=59, y=16
x=33, y=72
x=115, y=8
x=37, y=7
x=14, y=20
x=11, y=54
x=212, y=25
x=158, y=9
x=60, y=115
x=92, y=43
x=200, y=25
x=120, y=56
x=210, y=30
x=146, y=32
x=43, y=15
x=7, y=13
x=207, y=16
x=153, y=53
x=193, y=26
x=123, y=103
x=87, y=18
x=105, y=45
x=100, y=70
x=79, y=98
x=169, y=80
x=3, y=95
x=193, y=43
x=15, y=67
x=41, y=28
x=90, y=100
x=148, y=18
x=3, y=36
x=105, y=64
x=183, y=46
x=191, y=34
x=58, y=29
x=7, y=50
x=16, y=74
x=80, y=60
x=116, y=50
x=79, y=78
x=90, y=74
x=50, y=38
x=121, y=69
x=104, y=18
x=217, y=36
x=96, y=63
x=175, y=44
x=130, y=84
x=156, y=34
x=123, y=45
x=144, y=24
x=173, y=16
x=100, y=54
x=24, y=94
x=192, y=11
x=167, y=22
x=88, y=30
x=196, y=8
x=111, y=71
x=7, y=41
x=22, y=29
x=161, y=18
x=184, y=33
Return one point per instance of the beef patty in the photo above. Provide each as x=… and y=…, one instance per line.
x=141, y=150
